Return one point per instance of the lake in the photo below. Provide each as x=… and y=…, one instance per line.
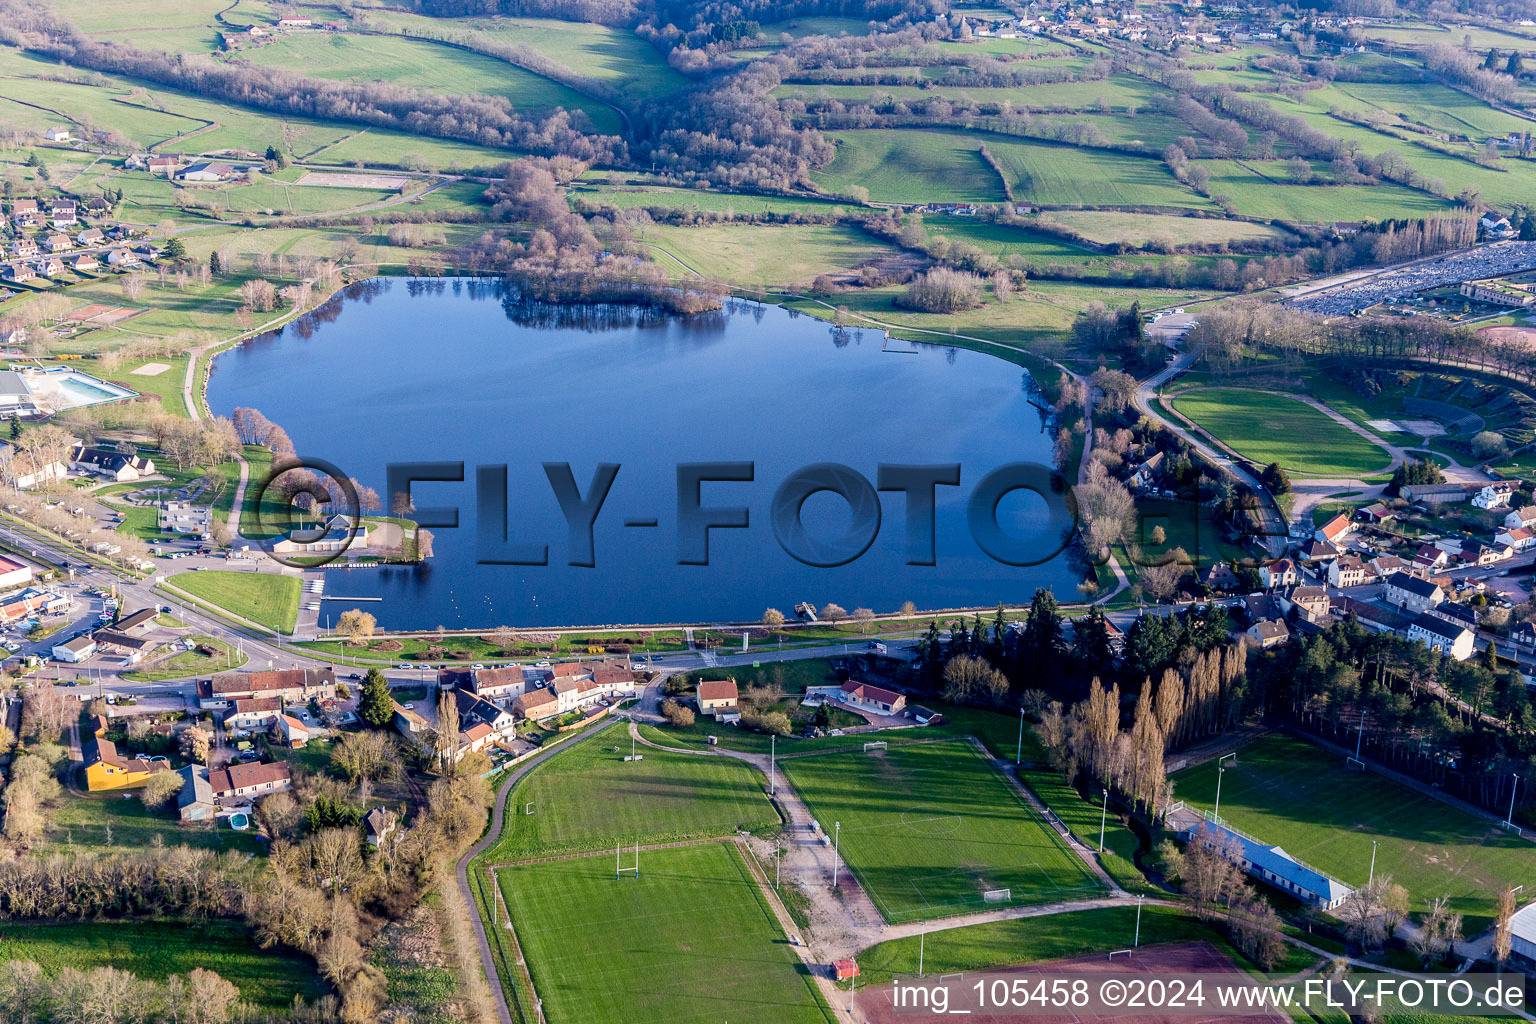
x=465, y=370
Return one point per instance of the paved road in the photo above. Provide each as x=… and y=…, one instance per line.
x=492, y=834
x=1142, y=399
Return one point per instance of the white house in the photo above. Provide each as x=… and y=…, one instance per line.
x=1520, y=538
x=1347, y=571
x=1449, y=638
x=1496, y=494
x=1311, y=603
x=1412, y=593
x=1521, y=518
x=57, y=135
x=1335, y=530
x=1279, y=573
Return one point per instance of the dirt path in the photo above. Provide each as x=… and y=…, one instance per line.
x=492, y=835
x=843, y=919
x=1006, y=769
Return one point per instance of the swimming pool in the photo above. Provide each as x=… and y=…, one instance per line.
x=239, y=822
x=80, y=391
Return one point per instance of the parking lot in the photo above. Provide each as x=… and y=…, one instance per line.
x=1497, y=260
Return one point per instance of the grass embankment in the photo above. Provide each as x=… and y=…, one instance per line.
x=267, y=599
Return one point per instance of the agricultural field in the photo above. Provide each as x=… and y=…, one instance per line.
x=1287, y=791
x=588, y=797
x=764, y=256
x=691, y=939
x=1266, y=427
x=267, y=978
x=267, y=598
x=911, y=167
x=420, y=64
x=1139, y=229
x=929, y=829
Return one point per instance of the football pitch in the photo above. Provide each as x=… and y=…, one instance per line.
x=1289, y=792
x=587, y=797
x=690, y=939
x=929, y=829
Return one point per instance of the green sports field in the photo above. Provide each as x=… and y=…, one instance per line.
x=1287, y=791
x=929, y=828
x=588, y=797
x=1268, y=427
x=691, y=939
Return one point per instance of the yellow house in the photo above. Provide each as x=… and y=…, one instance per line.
x=106, y=769
x=717, y=697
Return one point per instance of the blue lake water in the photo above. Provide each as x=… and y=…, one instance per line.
x=466, y=371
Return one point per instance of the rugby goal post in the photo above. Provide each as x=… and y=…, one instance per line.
x=997, y=895
x=620, y=869
x=874, y=745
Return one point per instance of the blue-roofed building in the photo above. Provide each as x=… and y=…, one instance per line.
x=1269, y=864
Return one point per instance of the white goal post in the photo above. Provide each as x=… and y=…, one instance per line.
x=1354, y=763
x=997, y=895
x=874, y=745
x=528, y=807
x=620, y=869
x=1121, y=952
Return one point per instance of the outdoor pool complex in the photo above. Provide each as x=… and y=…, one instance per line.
x=64, y=387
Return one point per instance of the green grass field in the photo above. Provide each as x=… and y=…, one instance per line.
x=267, y=978
x=588, y=797
x=690, y=940
x=1140, y=228
x=190, y=663
x=426, y=65
x=763, y=256
x=911, y=167
x=929, y=828
x=265, y=598
x=116, y=822
x=1005, y=943
x=1287, y=791
x=1266, y=427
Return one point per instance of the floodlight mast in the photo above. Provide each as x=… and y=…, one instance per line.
x=1509, y=819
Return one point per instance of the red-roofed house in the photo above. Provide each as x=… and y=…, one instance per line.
x=291, y=730
x=1335, y=530
x=241, y=782
x=718, y=697
x=873, y=698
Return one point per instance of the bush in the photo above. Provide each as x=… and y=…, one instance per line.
x=943, y=290
x=677, y=715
